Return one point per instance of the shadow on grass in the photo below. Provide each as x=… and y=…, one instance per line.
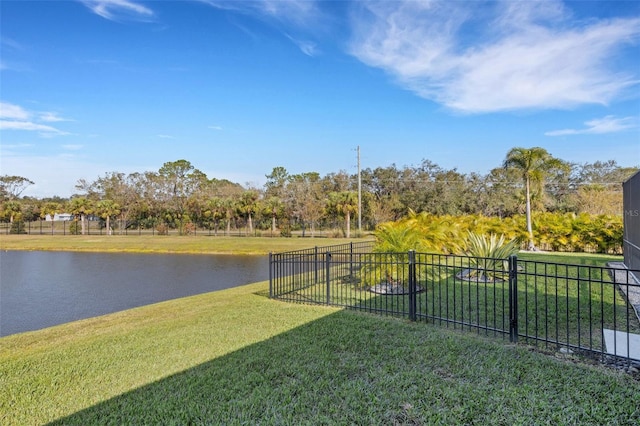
x=354, y=368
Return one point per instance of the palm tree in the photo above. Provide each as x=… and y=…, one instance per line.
x=533, y=165
x=344, y=203
x=248, y=205
x=12, y=209
x=216, y=210
x=273, y=207
x=106, y=209
x=50, y=209
x=397, y=237
x=82, y=207
x=229, y=208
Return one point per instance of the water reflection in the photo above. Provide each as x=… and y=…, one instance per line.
x=41, y=289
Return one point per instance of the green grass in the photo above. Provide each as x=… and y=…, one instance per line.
x=558, y=305
x=164, y=243
x=237, y=357
x=54, y=372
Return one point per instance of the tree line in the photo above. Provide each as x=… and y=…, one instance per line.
x=179, y=196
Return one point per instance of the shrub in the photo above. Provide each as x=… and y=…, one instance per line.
x=162, y=229
x=337, y=233
x=189, y=228
x=552, y=231
x=488, y=255
x=75, y=228
x=396, y=237
x=17, y=227
x=285, y=232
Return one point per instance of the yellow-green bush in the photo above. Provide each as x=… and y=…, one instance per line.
x=552, y=231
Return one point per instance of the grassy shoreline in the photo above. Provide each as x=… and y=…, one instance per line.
x=209, y=245
x=163, y=244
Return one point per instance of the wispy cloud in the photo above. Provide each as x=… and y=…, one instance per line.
x=52, y=117
x=307, y=47
x=117, y=10
x=72, y=147
x=12, y=112
x=297, y=12
x=300, y=16
x=27, y=125
x=608, y=124
x=165, y=136
x=14, y=66
x=15, y=146
x=59, y=180
x=14, y=117
x=215, y=127
x=10, y=43
x=479, y=57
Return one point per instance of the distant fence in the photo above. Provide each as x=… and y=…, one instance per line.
x=574, y=308
x=96, y=227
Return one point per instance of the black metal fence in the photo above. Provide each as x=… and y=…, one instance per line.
x=573, y=308
x=97, y=227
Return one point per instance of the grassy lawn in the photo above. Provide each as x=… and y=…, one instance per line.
x=163, y=243
x=237, y=357
x=566, y=301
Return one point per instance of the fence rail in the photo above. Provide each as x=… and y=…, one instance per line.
x=579, y=308
x=96, y=227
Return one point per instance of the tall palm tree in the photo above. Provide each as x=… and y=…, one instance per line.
x=81, y=206
x=248, y=205
x=216, y=209
x=344, y=203
x=229, y=207
x=107, y=209
x=273, y=207
x=50, y=209
x=533, y=164
x=12, y=209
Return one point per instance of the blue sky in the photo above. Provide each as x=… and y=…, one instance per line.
x=239, y=87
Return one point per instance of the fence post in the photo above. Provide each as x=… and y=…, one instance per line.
x=315, y=268
x=328, y=276
x=351, y=261
x=270, y=276
x=412, y=286
x=513, y=299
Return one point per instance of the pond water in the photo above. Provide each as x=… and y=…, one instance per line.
x=41, y=289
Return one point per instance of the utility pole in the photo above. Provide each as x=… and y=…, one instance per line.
x=359, y=195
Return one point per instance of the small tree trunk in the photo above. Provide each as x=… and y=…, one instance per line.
x=531, y=245
x=82, y=226
x=348, y=225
